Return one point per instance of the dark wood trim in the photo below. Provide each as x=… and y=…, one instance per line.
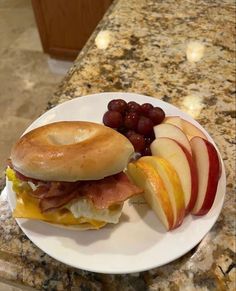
x=63, y=53
x=65, y=25
x=41, y=24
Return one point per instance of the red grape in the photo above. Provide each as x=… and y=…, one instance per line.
x=137, y=141
x=133, y=107
x=145, y=125
x=148, y=140
x=152, y=135
x=134, y=121
x=131, y=120
x=112, y=119
x=129, y=133
x=122, y=130
x=145, y=108
x=118, y=105
x=157, y=115
x=146, y=151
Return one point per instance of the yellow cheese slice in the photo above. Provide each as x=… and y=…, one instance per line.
x=27, y=207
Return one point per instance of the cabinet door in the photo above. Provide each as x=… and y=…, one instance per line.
x=65, y=25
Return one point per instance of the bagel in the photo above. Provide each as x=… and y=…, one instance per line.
x=70, y=173
x=71, y=151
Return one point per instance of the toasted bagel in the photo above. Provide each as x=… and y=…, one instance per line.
x=71, y=151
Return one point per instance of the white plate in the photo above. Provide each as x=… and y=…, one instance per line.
x=138, y=242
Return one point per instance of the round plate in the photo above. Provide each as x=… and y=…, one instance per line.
x=139, y=242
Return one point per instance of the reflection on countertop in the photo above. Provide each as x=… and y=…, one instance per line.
x=182, y=52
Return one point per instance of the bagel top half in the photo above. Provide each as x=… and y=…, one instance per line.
x=71, y=151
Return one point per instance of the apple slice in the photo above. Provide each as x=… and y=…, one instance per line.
x=209, y=171
x=175, y=120
x=155, y=192
x=182, y=161
x=188, y=128
x=172, y=131
x=172, y=184
x=191, y=130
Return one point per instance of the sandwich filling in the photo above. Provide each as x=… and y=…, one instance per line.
x=94, y=202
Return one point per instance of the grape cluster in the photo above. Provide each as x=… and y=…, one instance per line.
x=135, y=121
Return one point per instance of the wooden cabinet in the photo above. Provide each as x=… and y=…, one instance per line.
x=65, y=25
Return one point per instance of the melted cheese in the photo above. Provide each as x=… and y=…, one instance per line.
x=27, y=207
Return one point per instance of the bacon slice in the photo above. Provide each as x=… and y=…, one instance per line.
x=110, y=190
x=47, y=204
x=26, y=179
x=54, y=189
x=103, y=193
x=40, y=191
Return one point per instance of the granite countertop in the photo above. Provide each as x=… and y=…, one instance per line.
x=145, y=52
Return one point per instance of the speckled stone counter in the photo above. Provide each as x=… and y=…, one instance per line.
x=146, y=43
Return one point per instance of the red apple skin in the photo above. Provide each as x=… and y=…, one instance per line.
x=213, y=178
x=194, y=179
